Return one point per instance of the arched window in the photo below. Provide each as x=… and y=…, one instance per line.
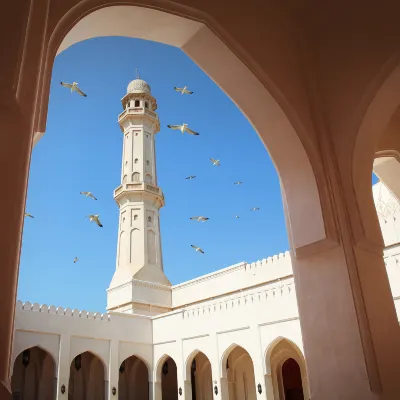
x=147, y=162
x=148, y=178
x=148, y=219
x=136, y=177
x=135, y=217
x=146, y=104
x=137, y=103
x=136, y=160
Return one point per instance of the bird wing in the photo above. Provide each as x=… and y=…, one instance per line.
x=85, y=193
x=211, y=159
x=80, y=91
x=188, y=130
x=178, y=89
x=175, y=127
x=97, y=220
x=200, y=250
x=90, y=195
x=67, y=85
x=29, y=215
x=195, y=217
x=189, y=92
x=195, y=247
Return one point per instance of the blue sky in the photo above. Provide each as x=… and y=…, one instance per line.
x=82, y=151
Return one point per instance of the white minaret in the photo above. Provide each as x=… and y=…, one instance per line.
x=139, y=284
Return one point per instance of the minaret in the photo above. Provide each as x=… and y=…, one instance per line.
x=139, y=284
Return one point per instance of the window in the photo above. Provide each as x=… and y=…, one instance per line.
x=148, y=219
x=146, y=104
x=137, y=103
x=136, y=160
x=147, y=162
x=135, y=217
x=136, y=177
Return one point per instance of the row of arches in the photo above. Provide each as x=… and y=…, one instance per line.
x=35, y=377
x=137, y=103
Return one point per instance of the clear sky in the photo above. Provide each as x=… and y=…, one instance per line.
x=82, y=150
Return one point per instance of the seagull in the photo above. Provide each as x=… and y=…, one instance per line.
x=200, y=219
x=74, y=87
x=183, y=90
x=88, y=194
x=236, y=216
x=76, y=259
x=95, y=218
x=183, y=128
x=191, y=177
x=197, y=249
x=29, y=215
x=215, y=162
x=255, y=209
x=237, y=183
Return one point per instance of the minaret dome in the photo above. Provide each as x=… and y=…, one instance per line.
x=138, y=86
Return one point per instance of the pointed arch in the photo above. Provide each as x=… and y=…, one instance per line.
x=141, y=358
x=93, y=353
x=189, y=360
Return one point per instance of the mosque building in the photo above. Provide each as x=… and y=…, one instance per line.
x=233, y=334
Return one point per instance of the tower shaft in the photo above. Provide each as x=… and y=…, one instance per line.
x=139, y=284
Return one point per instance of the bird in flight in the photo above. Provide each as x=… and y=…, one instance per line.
x=236, y=216
x=29, y=215
x=76, y=259
x=197, y=248
x=88, y=194
x=191, y=177
x=200, y=219
x=95, y=218
x=74, y=88
x=255, y=209
x=237, y=183
x=183, y=128
x=215, y=162
x=183, y=90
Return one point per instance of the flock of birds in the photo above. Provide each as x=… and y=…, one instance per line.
x=183, y=128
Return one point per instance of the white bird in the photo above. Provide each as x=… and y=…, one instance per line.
x=197, y=249
x=183, y=128
x=74, y=88
x=237, y=183
x=29, y=215
x=215, y=162
x=255, y=209
x=76, y=259
x=95, y=218
x=200, y=219
x=237, y=216
x=191, y=177
x=183, y=90
x=88, y=194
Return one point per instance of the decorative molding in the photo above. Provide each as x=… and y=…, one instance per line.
x=138, y=282
x=243, y=328
x=279, y=321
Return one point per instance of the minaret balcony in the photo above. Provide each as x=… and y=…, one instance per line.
x=132, y=111
x=140, y=188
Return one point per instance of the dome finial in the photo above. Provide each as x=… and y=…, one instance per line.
x=137, y=74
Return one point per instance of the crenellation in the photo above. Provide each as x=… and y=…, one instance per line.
x=68, y=312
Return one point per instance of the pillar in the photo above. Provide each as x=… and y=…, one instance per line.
x=156, y=391
x=113, y=370
x=346, y=309
x=64, y=366
x=258, y=363
x=23, y=27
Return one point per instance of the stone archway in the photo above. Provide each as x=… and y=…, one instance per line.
x=240, y=374
x=287, y=378
x=86, y=378
x=198, y=382
x=33, y=375
x=133, y=380
x=169, y=379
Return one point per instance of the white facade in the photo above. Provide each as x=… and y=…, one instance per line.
x=240, y=323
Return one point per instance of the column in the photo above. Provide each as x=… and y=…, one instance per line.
x=113, y=370
x=258, y=363
x=22, y=25
x=64, y=366
x=156, y=391
x=218, y=380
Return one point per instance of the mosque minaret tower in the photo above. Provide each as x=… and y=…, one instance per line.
x=139, y=284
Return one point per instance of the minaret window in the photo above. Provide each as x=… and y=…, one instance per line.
x=137, y=103
x=147, y=162
x=136, y=177
x=135, y=218
x=136, y=160
x=146, y=104
x=148, y=177
x=148, y=219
